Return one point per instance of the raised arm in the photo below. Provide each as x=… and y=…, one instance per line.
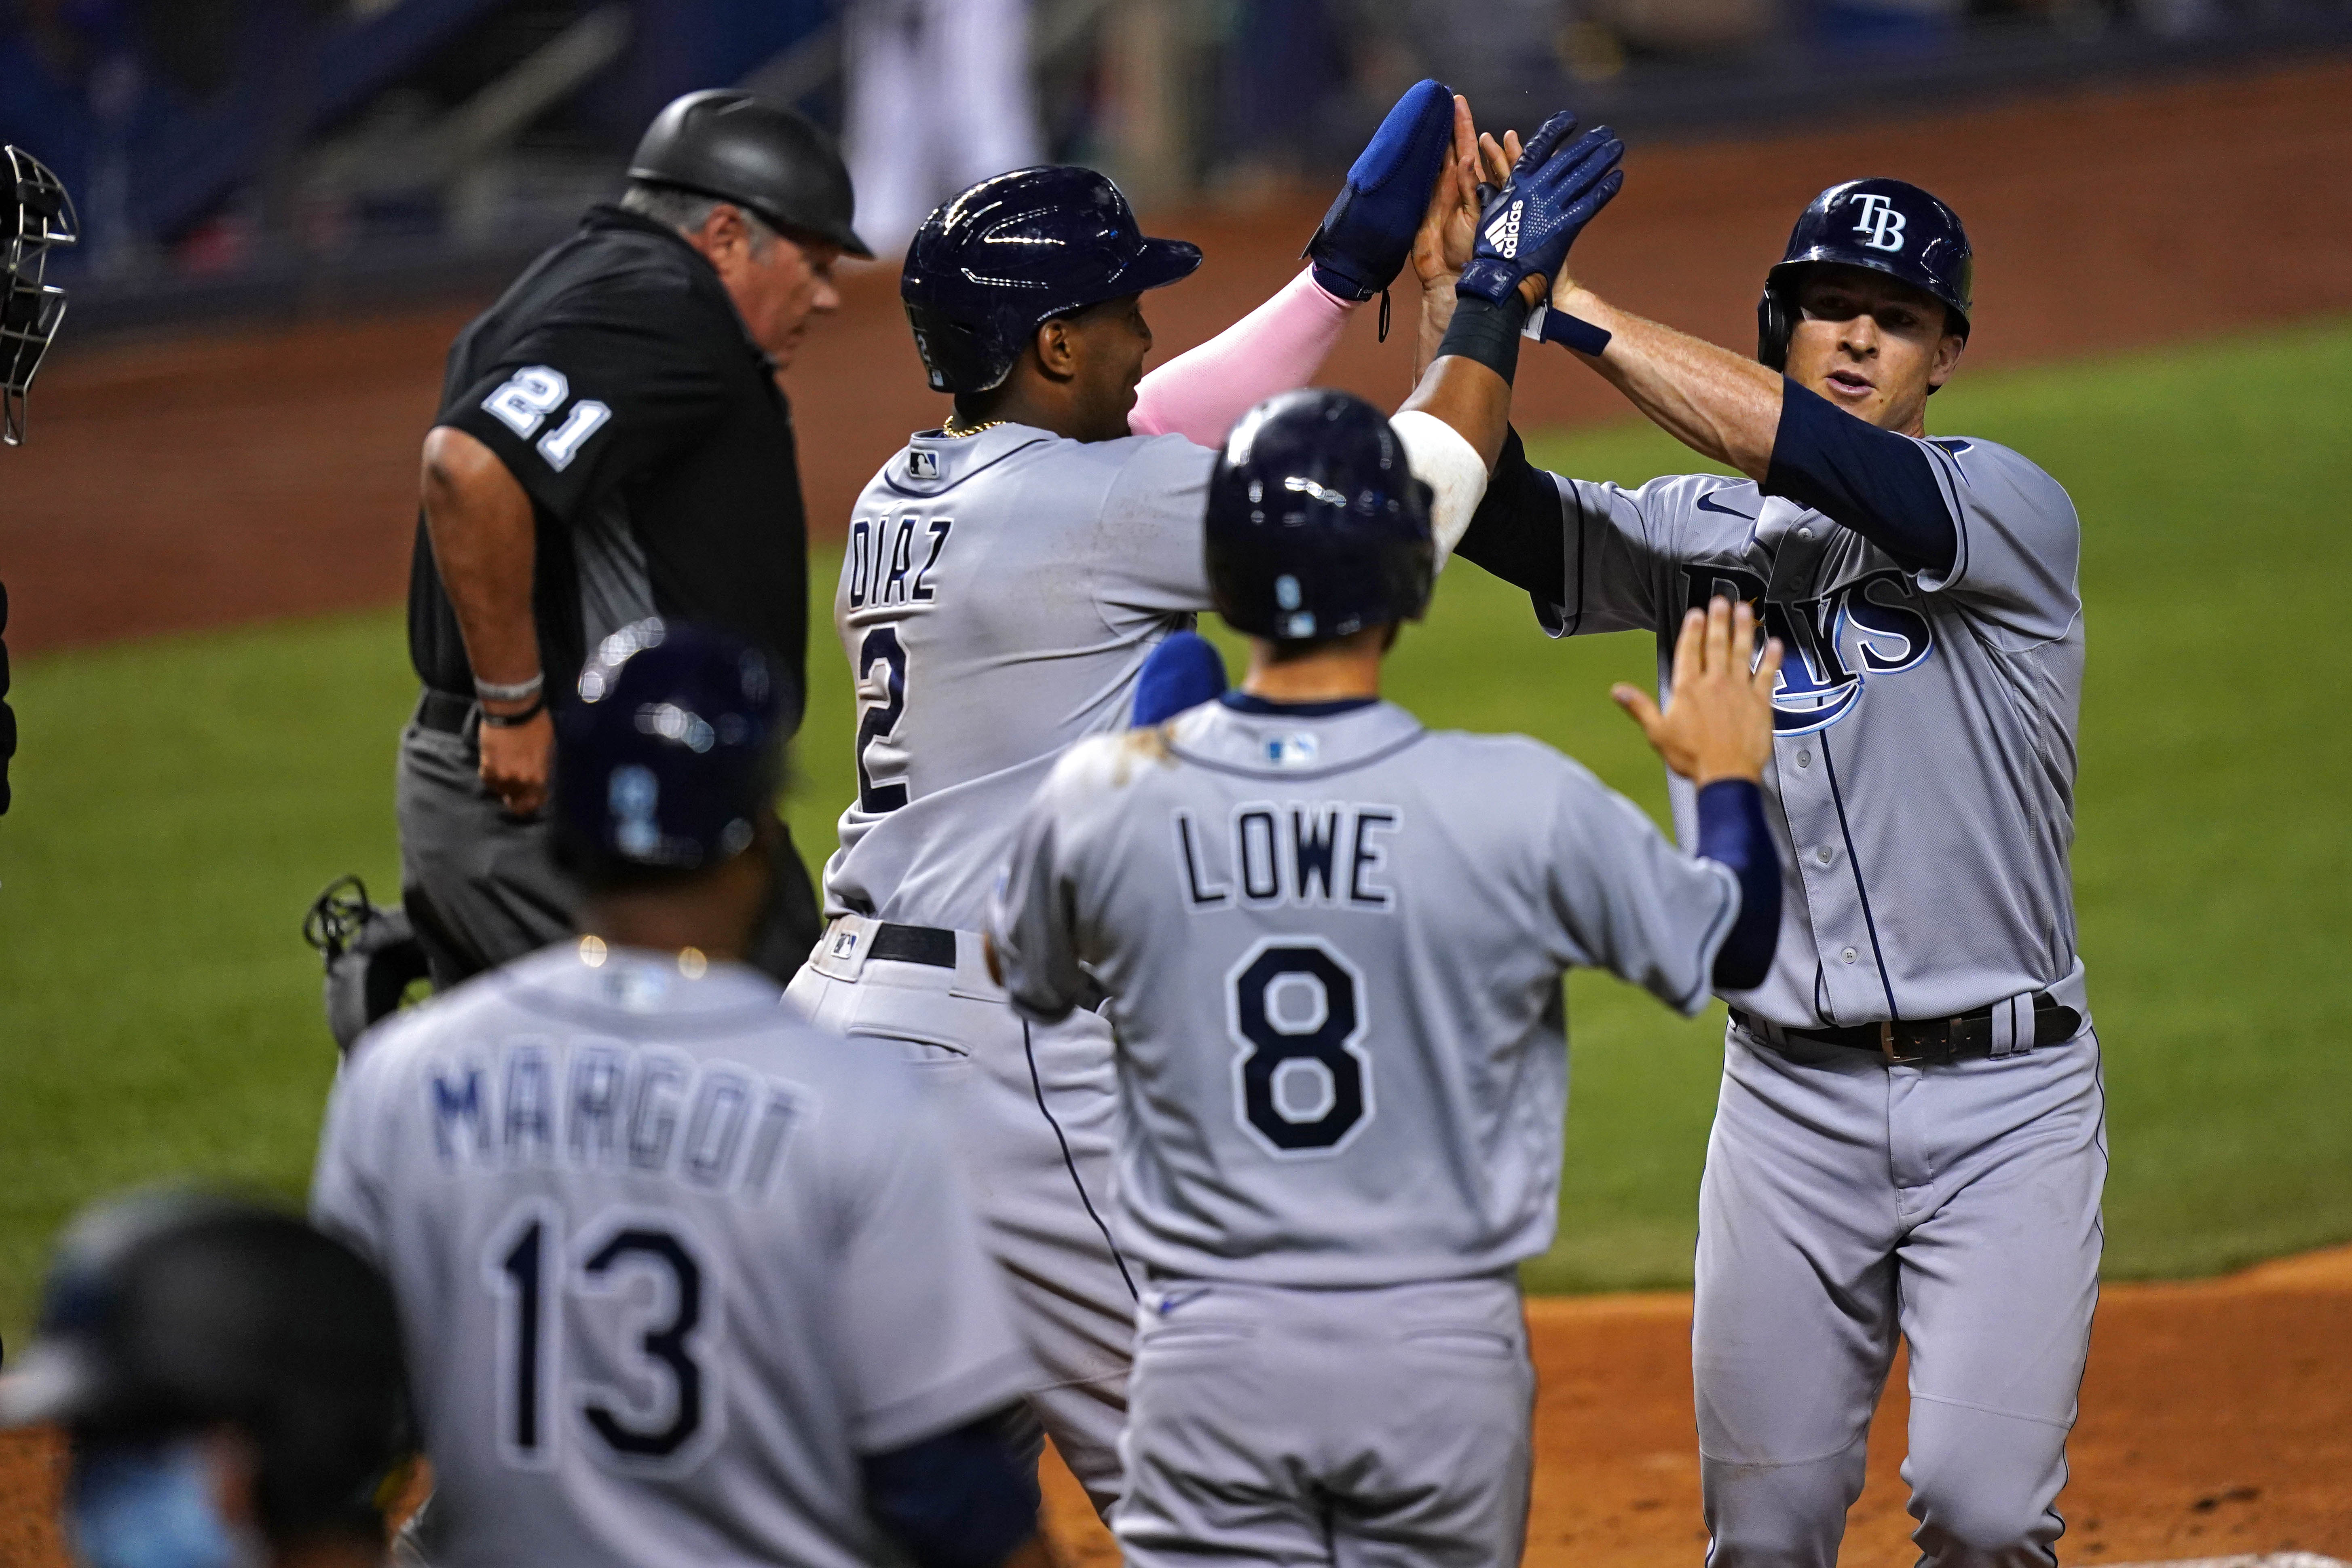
x=1355, y=253
x=1790, y=439
x=1453, y=425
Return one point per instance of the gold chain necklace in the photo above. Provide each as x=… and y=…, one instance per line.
x=948, y=428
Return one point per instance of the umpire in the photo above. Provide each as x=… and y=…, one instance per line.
x=613, y=444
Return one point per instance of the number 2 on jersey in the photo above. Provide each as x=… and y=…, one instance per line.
x=527, y=1267
x=880, y=647
x=1301, y=1084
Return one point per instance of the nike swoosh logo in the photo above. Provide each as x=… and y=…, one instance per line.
x=1175, y=1298
x=1705, y=503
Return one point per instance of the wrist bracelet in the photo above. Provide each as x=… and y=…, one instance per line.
x=1485, y=331
x=514, y=691
x=513, y=720
x=1547, y=324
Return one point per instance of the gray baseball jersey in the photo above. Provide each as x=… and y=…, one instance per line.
x=668, y=1261
x=1333, y=945
x=1000, y=593
x=1923, y=786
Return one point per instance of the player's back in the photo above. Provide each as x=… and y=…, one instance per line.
x=999, y=595
x=1334, y=944
x=664, y=1262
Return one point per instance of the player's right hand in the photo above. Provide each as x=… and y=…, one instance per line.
x=1556, y=188
x=517, y=762
x=1718, y=721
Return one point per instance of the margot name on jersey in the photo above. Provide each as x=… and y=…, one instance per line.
x=717, y=1126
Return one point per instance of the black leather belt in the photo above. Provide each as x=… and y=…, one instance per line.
x=443, y=710
x=1932, y=1040
x=913, y=944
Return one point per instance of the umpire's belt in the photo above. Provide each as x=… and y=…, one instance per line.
x=2004, y=1029
x=443, y=710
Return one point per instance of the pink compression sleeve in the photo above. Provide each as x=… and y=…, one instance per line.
x=1280, y=345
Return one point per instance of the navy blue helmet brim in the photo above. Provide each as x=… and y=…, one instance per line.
x=1159, y=263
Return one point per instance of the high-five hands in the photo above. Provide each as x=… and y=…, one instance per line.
x=1718, y=721
x=1555, y=188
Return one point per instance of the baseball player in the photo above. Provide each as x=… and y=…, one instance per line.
x=1007, y=575
x=684, y=1280
x=1910, y=1139
x=1334, y=969
x=231, y=1382
x=39, y=215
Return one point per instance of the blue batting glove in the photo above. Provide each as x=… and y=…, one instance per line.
x=1367, y=237
x=1553, y=192
x=1183, y=672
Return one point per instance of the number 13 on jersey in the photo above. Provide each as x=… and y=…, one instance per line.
x=612, y=1324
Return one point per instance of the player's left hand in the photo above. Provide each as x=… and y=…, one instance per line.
x=1718, y=721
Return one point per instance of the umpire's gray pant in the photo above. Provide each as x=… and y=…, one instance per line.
x=481, y=885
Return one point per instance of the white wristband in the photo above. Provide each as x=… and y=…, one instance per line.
x=1443, y=459
x=515, y=692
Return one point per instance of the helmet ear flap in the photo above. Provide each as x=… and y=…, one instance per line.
x=1774, y=324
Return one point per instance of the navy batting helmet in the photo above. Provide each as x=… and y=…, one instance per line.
x=761, y=155
x=1015, y=250
x=1316, y=527
x=170, y=1311
x=1886, y=225
x=669, y=756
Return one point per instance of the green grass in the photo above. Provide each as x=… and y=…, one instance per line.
x=180, y=800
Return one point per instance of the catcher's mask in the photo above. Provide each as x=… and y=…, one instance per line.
x=39, y=214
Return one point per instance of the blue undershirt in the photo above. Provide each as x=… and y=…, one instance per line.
x=1731, y=832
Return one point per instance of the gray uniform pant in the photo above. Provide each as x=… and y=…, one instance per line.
x=1032, y=1110
x=1364, y=1428
x=481, y=886
x=1847, y=1201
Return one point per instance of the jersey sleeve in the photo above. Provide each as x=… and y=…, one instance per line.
x=1630, y=901
x=1147, y=548
x=598, y=392
x=2020, y=540
x=1032, y=920
x=926, y=1337
x=1592, y=557
x=347, y=1184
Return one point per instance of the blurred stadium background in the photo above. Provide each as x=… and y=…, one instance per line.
x=291, y=206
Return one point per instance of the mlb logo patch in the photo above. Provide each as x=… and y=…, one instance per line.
x=1291, y=751
x=922, y=465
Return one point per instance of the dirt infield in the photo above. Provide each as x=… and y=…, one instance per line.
x=2217, y=1419
x=186, y=484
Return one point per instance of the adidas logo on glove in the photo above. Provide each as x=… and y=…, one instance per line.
x=1503, y=234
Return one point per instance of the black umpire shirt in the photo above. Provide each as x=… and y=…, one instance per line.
x=618, y=386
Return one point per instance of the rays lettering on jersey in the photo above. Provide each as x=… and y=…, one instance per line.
x=883, y=566
x=1332, y=854
x=714, y=1125
x=1869, y=626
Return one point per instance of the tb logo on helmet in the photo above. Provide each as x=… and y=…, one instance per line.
x=1881, y=225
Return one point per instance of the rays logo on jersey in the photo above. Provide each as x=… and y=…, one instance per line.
x=1833, y=644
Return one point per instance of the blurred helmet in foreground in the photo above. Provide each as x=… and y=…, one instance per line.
x=36, y=215
x=1316, y=527
x=668, y=758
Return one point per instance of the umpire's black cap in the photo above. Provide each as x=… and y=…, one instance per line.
x=761, y=155
x=169, y=1311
